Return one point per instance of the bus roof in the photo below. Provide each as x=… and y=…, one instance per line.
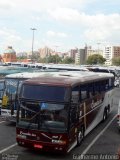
x=68, y=78
x=65, y=67
x=25, y=75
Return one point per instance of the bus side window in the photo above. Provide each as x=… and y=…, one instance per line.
x=112, y=82
x=97, y=87
x=102, y=86
x=91, y=90
x=107, y=84
x=73, y=114
x=75, y=94
x=74, y=105
x=83, y=92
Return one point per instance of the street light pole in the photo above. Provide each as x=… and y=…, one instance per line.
x=33, y=29
x=98, y=51
x=56, y=52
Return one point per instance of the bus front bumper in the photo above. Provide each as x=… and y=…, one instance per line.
x=43, y=146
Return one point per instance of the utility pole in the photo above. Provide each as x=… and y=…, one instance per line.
x=33, y=29
x=56, y=52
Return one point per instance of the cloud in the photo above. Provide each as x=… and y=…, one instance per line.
x=56, y=34
x=9, y=37
x=12, y=38
x=44, y=6
x=102, y=27
x=93, y=27
x=58, y=17
x=74, y=16
x=6, y=5
x=65, y=14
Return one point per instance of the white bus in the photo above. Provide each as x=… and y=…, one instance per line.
x=9, y=90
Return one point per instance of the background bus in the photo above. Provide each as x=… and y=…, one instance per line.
x=9, y=93
x=57, y=111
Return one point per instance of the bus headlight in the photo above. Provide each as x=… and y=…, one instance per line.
x=21, y=136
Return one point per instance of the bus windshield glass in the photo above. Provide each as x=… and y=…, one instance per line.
x=45, y=93
x=45, y=116
x=11, y=86
x=1, y=88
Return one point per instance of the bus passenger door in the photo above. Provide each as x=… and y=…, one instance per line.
x=73, y=117
x=73, y=123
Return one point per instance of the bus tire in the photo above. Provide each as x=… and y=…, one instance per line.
x=80, y=136
x=117, y=85
x=105, y=114
x=108, y=109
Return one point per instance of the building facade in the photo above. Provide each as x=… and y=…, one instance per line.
x=9, y=55
x=73, y=53
x=111, y=52
x=45, y=52
x=91, y=52
x=82, y=56
x=77, y=58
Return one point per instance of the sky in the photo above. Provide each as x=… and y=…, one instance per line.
x=60, y=24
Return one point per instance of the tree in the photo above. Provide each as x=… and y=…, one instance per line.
x=21, y=58
x=116, y=61
x=42, y=60
x=53, y=59
x=96, y=59
x=68, y=60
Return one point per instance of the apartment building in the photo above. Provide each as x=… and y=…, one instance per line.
x=111, y=52
x=45, y=52
x=80, y=57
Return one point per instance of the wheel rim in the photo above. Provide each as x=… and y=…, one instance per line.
x=80, y=137
x=104, y=117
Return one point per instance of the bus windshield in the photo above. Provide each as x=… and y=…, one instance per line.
x=12, y=87
x=2, y=86
x=44, y=116
x=45, y=93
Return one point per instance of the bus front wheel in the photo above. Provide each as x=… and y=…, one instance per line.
x=80, y=136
